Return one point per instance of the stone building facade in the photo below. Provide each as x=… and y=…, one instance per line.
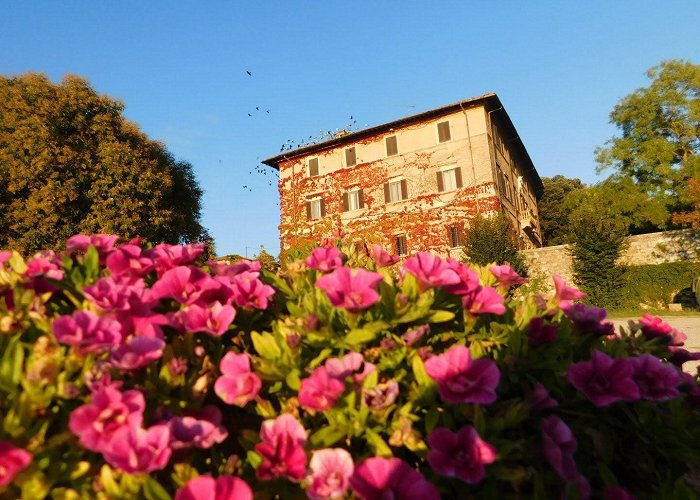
x=412, y=184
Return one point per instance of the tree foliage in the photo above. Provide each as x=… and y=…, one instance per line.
x=70, y=162
x=554, y=211
x=691, y=217
x=492, y=239
x=659, y=147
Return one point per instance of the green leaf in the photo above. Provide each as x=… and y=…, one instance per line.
x=292, y=380
x=378, y=444
x=254, y=459
x=152, y=490
x=327, y=436
x=441, y=316
x=421, y=375
x=12, y=363
x=367, y=333
x=266, y=345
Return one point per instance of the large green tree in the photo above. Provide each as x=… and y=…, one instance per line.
x=70, y=162
x=659, y=145
x=554, y=210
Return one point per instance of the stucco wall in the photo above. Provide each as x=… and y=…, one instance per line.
x=653, y=248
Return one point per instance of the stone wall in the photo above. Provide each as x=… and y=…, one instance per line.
x=652, y=248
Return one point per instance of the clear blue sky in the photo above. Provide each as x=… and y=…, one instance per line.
x=180, y=67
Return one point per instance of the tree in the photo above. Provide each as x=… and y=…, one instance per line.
x=690, y=218
x=70, y=162
x=492, y=239
x=660, y=143
x=553, y=210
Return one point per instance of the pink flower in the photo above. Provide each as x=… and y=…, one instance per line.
x=484, y=300
x=380, y=478
x=654, y=327
x=135, y=450
x=231, y=270
x=249, y=291
x=468, y=278
x=113, y=293
x=351, y=289
x=320, y=391
x=221, y=488
x=506, y=276
x=103, y=243
x=166, y=256
x=353, y=363
x=589, y=319
x=656, y=381
x=381, y=396
x=129, y=260
x=12, y=461
x=40, y=267
x=565, y=294
x=617, y=493
x=214, y=319
x=136, y=353
x=282, y=449
x=461, y=454
x=330, y=470
x=5, y=256
x=382, y=258
x=324, y=259
x=430, y=270
x=237, y=385
x=539, y=332
x=95, y=423
x=558, y=447
x=87, y=332
x=186, y=284
x=203, y=430
x=604, y=380
x=461, y=380
x=413, y=336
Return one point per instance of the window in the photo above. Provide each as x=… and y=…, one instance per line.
x=353, y=200
x=449, y=179
x=455, y=236
x=443, y=129
x=395, y=190
x=400, y=247
x=313, y=167
x=350, y=157
x=315, y=209
x=392, y=146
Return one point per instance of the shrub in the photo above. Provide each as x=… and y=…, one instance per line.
x=659, y=284
x=129, y=372
x=491, y=239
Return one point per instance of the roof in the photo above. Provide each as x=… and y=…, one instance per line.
x=490, y=101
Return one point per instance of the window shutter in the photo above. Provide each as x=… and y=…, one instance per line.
x=323, y=208
x=346, y=205
x=404, y=190
x=441, y=185
x=392, y=147
x=458, y=176
x=308, y=210
x=443, y=131
x=361, y=196
x=387, y=196
x=350, y=157
x=313, y=167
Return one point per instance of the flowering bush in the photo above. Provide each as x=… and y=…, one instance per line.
x=130, y=372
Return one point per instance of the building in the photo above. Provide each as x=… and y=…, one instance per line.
x=412, y=184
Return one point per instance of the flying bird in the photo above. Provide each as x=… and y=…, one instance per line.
x=249, y=73
x=257, y=108
x=249, y=114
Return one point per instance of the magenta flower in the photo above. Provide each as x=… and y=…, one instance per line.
x=129, y=260
x=430, y=270
x=461, y=380
x=237, y=385
x=351, y=289
x=380, y=478
x=506, y=276
x=604, y=380
x=203, y=430
x=461, y=454
x=381, y=257
x=565, y=294
x=5, y=256
x=249, y=291
x=413, y=336
x=484, y=300
x=185, y=284
x=165, y=256
x=589, y=319
x=12, y=461
x=353, y=363
x=654, y=327
x=282, y=449
x=558, y=447
x=468, y=278
x=330, y=471
x=87, y=332
x=539, y=332
x=114, y=294
x=320, y=391
x=136, y=353
x=231, y=270
x=324, y=259
x=656, y=381
x=214, y=319
x=221, y=488
x=103, y=243
x=617, y=493
x=680, y=356
x=135, y=450
x=539, y=399
x=97, y=422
